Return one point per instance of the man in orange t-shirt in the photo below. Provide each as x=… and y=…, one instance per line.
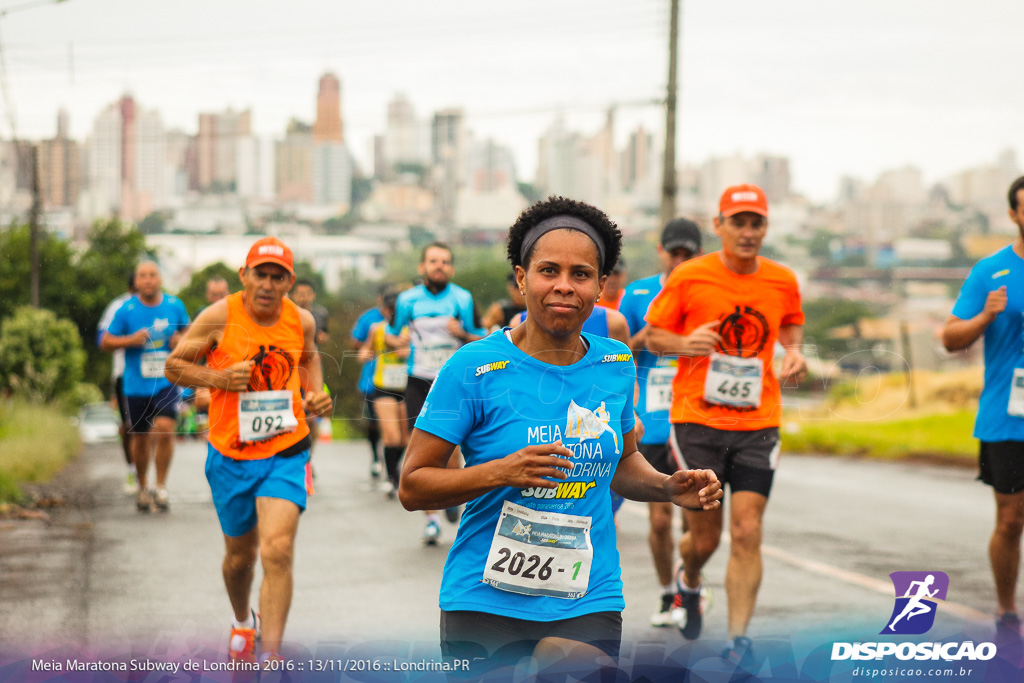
x=722, y=314
x=260, y=353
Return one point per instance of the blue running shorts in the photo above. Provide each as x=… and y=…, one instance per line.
x=236, y=484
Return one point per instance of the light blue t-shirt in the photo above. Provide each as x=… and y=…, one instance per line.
x=653, y=373
x=427, y=316
x=1004, y=341
x=360, y=331
x=492, y=399
x=143, y=366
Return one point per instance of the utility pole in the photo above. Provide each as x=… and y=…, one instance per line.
x=668, y=173
x=33, y=225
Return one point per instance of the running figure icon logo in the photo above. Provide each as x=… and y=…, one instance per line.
x=583, y=424
x=917, y=594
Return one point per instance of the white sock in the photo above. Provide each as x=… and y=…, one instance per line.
x=248, y=623
x=668, y=589
x=436, y=518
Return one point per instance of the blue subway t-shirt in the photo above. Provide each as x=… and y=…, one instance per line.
x=427, y=316
x=144, y=366
x=1004, y=341
x=654, y=373
x=492, y=399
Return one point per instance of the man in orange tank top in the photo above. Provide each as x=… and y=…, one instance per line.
x=260, y=353
x=722, y=314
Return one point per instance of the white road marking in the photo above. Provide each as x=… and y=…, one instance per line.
x=853, y=578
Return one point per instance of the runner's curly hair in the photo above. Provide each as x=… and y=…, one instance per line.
x=558, y=206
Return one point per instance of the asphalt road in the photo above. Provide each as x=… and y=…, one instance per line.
x=104, y=580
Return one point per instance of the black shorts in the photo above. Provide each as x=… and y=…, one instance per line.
x=142, y=410
x=415, y=396
x=490, y=640
x=744, y=460
x=377, y=394
x=369, y=413
x=660, y=457
x=1001, y=465
x=122, y=407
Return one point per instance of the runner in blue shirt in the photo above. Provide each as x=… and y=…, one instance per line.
x=680, y=241
x=440, y=317
x=544, y=417
x=360, y=333
x=991, y=303
x=148, y=327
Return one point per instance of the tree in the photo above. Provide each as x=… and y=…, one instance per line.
x=485, y=280
x=154, y=223
x=341, y=225
x=362, y=188
x=823, y=315
x=193, y=295
x=77, y=288
x=101, y=274
x=529, y=191
x=41, y=356
x=57, y=283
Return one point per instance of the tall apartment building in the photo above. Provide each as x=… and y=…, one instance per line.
x=59, y=167
x=127, y=162
x=217, y=147
x=984, y=188
x=332, y=176
x=637, y=163
x=327, y=127
x=293, y=160
x=405, y=139
x=447, y=147
x=579, y=166
x=256, y=168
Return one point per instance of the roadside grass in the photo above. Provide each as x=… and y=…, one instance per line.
x=345, y=430
x=882, y=416
x=36, y=442
x=946, y=436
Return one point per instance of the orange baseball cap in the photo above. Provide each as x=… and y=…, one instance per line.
x=740, y=198
x=270, y=250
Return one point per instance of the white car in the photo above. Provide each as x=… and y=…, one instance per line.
x=98, y=422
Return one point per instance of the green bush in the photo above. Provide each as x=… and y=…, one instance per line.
x=41, y=356
x=81, y=394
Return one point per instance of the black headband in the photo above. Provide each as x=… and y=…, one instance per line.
x=561, y=222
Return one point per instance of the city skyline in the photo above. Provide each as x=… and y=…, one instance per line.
x=840, y=91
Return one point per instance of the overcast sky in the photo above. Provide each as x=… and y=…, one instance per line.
x=840, y=88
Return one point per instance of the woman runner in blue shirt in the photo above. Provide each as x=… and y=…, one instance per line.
x=544, y=416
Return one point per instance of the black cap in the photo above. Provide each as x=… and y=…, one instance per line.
x=681, y=232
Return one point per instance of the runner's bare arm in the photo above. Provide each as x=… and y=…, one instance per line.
x=112, y=342
x=958, y=334
x=639, y=340
x=183, y=365
x=618, y=328
x=794, y=365
x=635, y=479
x=701, y=342
x=311, y=374
x=366, y=351
x=427, y=484
x=492, y=317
